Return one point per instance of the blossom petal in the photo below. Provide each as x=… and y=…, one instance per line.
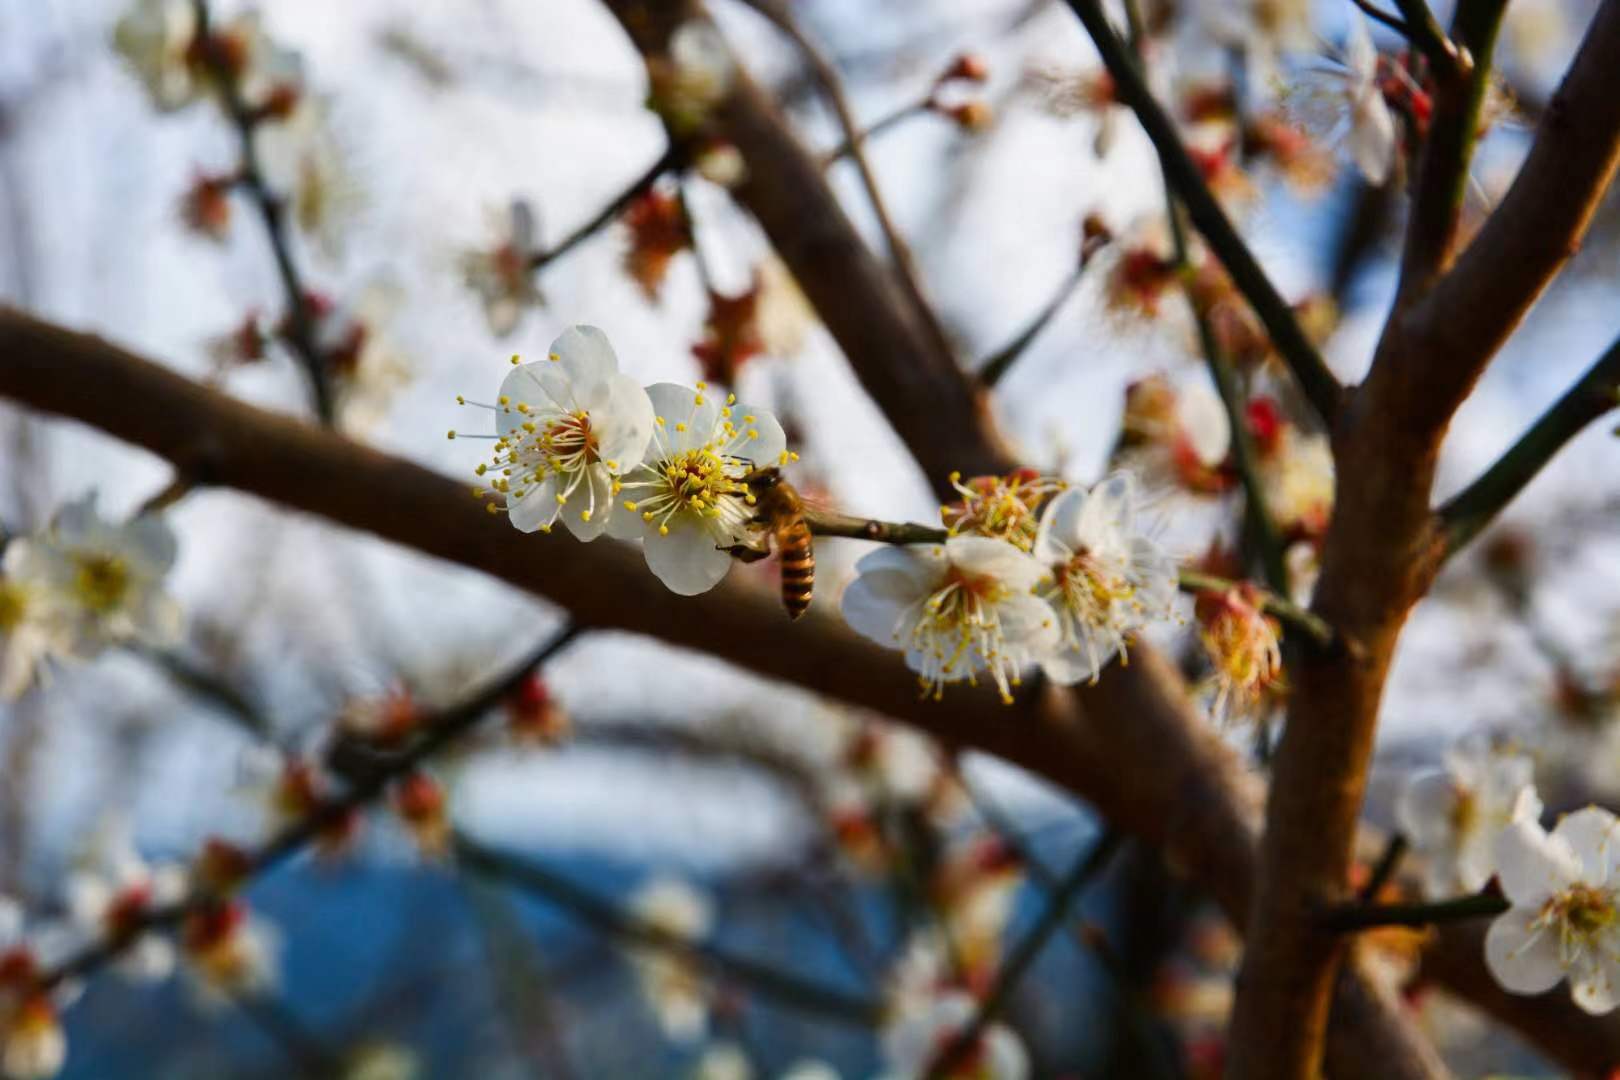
x=1372, y=137
x=1029, y=624
x=595, y=494
x=1109, y=513
x=585, y=355
x=1202, y=419
x=689, y=418
x=874, y=604
x=760, y=436
x=1592, y=982
x=622, y=421
x=686, y=560
x=1593, y=834
x=1523, y=960
x=150, y=539
x=1533, y=865
x=1059, y=532
x=995, y=559
x=923, y=564
x=1070, y=666
x=538, y=507
x=1425, y=809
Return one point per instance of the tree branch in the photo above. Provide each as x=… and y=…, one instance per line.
x=1425, y=34
x=1198, y=802
x=1320, y=386
x=1597, y=392
x=1353, y=917
x=667, y=161
x=1029, y=947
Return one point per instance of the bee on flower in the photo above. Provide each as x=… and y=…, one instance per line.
x=502, y=274
x=568, y=427
x=1001, y=507
x=114, y=890
x=687, y=499
x=1244, y=648
x=956, y=609
x=1108, y=577
x=1564, y=921
x=670, y=979
x=107, y=579
x=1454, y=814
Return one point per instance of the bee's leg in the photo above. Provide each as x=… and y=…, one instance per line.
x=744, y=553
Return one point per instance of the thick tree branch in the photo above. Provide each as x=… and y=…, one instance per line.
x=1382, y=550
x=1196, y=801
x=1596, y=393
x=1318, y=383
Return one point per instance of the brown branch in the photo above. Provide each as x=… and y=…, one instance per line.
x=1197, y=801
x=1381, y=552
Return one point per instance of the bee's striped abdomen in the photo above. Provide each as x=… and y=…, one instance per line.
x=794, y=547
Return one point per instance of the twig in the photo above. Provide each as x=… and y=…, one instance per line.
x=1421, y=29
x=1470, y=510
x=1369, y=916
x=1385, y=869
x=1001, y=361
x=205, y=685
x=878, y=127
x=828, y=523
x=1320, y=386
x=272, y=211
x=670, y=159
x=1381, y=16
x=607, y=918
x=1024, y=953
x=778, y=14
x=1308, y=622
x=439, y=732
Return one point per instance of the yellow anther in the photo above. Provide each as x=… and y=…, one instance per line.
x=481, y=470
x=478, y=492
x=554, y=358
x=678, y=427
x=702, y=387
x=614, y=465
x=629, y=505
x=663, y=530
x=561, y=499
x=647, y=516
x=452, y=433
x=528, y=425
x=731, y=399
x=460, y=400
x=490, y=508
x=523, y=407
x=753, y=433
x=516, y=360
x=584, y=515
x=504, y=400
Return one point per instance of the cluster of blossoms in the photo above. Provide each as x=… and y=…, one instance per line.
x=292, y=161
x=1478, y=817
x=81, y=585
x=982, y=604
x=579, y=442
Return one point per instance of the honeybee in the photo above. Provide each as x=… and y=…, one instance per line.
x=781, y=512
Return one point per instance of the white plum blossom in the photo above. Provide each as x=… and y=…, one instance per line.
x=913, y=1042
x=670, y=980
x=32, y=1044
x=304, y=162
x=1564, y=921
x=688, y=499
x=230, y=952
x=1108, y=577
x=109, y=578
x=502, y=275
x=1454, y=814
x=568, y=426
x=1370, y=125
x=115, y=888
x=156, y=38
x=33, y=626
x=956, y=609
